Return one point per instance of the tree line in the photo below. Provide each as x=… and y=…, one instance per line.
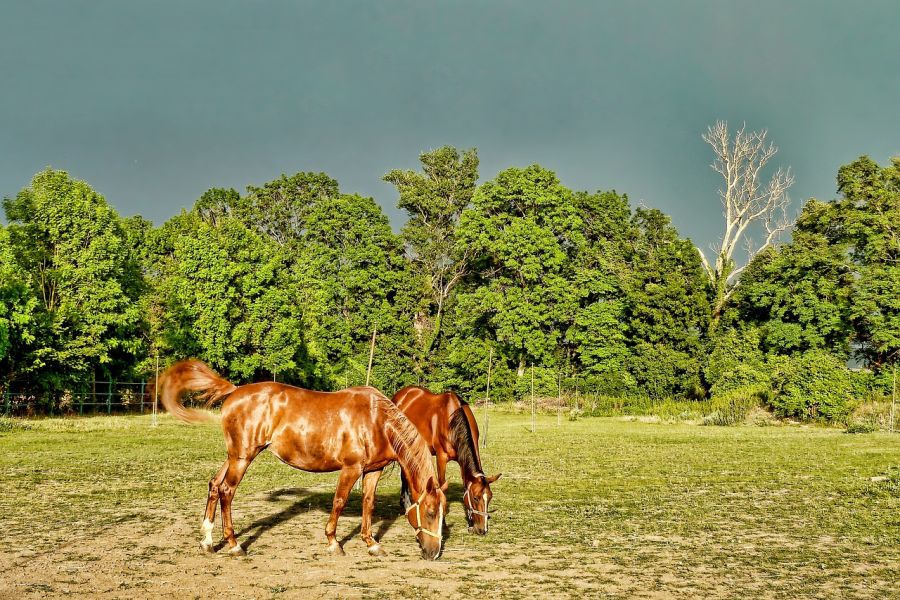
x=288, y=279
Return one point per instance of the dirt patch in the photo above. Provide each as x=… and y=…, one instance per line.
x=157, y=555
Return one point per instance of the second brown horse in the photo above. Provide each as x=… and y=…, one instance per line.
x=449, y=427
x=356, y=431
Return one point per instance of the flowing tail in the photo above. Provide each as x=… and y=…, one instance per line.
x=191, y=376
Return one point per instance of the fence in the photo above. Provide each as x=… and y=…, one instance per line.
x=106, y=397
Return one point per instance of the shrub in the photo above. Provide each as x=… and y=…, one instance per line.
x=734, y=361
x=662, y=372
x=860, y=428
x=741, y=376
x=812, y=385
x=874, y=414
x=8, y=425
x=732, y=408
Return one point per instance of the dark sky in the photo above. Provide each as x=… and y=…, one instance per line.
x=154, y=102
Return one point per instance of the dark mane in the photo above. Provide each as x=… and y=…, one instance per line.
x=464, y=442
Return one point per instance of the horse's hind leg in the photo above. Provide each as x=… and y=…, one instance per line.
x=210, y=515
x=370, y=482
x=233, y=475
x=347, y=478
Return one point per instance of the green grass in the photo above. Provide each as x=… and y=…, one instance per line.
x=599, y=506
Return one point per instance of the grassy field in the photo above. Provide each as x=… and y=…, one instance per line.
x=600, y=507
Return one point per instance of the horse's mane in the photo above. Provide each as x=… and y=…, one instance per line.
x=411, y=450
x=463, y=441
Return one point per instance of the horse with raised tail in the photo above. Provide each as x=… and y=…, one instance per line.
x=356, y=431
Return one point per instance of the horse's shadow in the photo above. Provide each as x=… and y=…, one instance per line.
x=388, y=508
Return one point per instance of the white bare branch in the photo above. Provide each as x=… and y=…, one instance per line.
x=746, y=200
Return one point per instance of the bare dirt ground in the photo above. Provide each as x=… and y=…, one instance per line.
x=600, y=508
x=156, y=554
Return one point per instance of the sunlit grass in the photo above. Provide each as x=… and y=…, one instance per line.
x=598, y=505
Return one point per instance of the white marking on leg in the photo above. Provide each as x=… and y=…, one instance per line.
x=207, y=533
x=237, y=550
x=374, y=549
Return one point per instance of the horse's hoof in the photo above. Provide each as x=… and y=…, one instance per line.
x=237, y=551
x=336, y=549
x=377, y=550
x=206, y=548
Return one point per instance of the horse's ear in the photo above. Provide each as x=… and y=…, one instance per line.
x=429, y=487
x=446, y=486
x=494, y=478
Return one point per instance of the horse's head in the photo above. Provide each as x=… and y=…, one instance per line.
x=426, y=515
x=476, y=500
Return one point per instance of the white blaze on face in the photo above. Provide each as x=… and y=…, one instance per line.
x=440, y=531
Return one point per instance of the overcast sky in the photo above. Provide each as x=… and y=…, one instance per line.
x=154, y=102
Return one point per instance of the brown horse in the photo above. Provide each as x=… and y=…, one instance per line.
x=451, y=432
x=356, y=431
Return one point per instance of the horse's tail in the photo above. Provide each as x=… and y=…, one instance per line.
x=191, y=376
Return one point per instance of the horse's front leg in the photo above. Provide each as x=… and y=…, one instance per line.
x=347, y=478
x=442, y=460
x=212, y=500
x=370, y=483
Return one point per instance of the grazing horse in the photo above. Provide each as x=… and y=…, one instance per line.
x=356, y=431
x=449, y=428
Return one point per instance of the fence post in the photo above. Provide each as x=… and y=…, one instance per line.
x=559, y=399
x=893, y=398
x=371, y=353
x=109, y=398
x=143, y=383
x=487, y=398
x=532, y=398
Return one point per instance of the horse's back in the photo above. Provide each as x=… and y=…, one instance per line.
x=308, y=429
x=430, y=413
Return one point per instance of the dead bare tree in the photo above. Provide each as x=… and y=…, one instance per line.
x=747, y=203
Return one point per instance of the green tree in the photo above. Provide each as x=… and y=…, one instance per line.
x=227, y=297
x=798, y=294
x=598, y=336
x=523, y=231
x=353, y=277
x=871, y=205
x=18, y=317
x=279, y=208
x=434, y=201
x=668, y=307
x=73, y=248
x=835, y=286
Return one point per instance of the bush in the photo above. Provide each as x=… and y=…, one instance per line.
x=661, y=372
x=871, y=414
x=8, y=425
x=741, y=376
x=545, y=383
x=735, y=361
x=732, y=408
x=811, y=386
x=860, y=428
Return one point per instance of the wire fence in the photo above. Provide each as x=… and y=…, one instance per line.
x=96, y=397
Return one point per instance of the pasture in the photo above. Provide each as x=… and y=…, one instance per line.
x=602, y=507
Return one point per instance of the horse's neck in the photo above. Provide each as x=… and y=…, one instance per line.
x=466, y=446
x=411, y=451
